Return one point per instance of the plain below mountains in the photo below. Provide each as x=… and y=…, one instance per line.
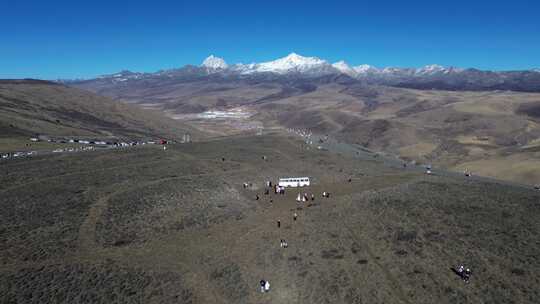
x=493, y=133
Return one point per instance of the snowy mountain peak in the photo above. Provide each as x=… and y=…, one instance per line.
x=364, y=68
x=431, y=69
x=391, y=70
x=299, y=59
x=122, y=76
x=215, y=63
x=295, y=63
x=344, y=68
x=341, y=65
x=290, y=63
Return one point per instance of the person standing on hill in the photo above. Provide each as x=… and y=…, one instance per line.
x=295, y=215
x=263, y=284
x=278, y=223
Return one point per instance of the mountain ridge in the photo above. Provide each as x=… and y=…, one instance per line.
x=429, y=77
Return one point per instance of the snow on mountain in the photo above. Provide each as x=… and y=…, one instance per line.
x=122, y=76
x=434, y=69
x=214, y=63
x=244, y=68
x=391, y=70
x=365, y=68
x=296, y=64
x=344, y=68
x=292, y=63
x=430, y=69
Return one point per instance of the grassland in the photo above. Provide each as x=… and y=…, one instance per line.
x=146, y=225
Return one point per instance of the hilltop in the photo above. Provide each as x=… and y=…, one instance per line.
x=177, y=226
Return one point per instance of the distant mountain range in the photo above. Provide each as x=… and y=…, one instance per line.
x=297, y=66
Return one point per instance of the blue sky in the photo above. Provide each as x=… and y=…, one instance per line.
x=71, y=39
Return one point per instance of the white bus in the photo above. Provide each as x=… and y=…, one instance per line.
x=294, y=182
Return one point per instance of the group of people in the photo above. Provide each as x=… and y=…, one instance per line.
x=305, y=197
x=464, y=273
x=279, y=190
x=265, y=286
x=301, y=197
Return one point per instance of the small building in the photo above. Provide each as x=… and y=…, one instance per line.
x=294, y=182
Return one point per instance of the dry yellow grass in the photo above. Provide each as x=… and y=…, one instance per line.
x=417, y=150
x=476, y=151
x=519, y=168
x=531, y=125
x=476, y=107
x=533, y=143
x=474, y=140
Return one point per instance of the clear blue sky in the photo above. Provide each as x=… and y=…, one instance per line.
x=68, y=39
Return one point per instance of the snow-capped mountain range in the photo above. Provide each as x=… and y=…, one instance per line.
x=294, y=63
x=294, y=66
